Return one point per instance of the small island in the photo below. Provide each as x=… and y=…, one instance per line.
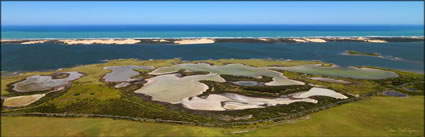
x=357, y=53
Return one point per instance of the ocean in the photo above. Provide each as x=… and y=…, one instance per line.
x=213, y=31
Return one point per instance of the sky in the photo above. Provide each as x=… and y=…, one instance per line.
x=213, y=12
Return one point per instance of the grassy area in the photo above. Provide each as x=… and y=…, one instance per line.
x=352, y=52
x=377, y=116
x=91, y=95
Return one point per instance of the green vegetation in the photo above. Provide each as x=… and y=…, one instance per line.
x=91, y=95
x=60, y=75
x=259, y=90
x=242, y=78
x=352, y=52
x=407, y=82
x=185, y=73
x=377, y=116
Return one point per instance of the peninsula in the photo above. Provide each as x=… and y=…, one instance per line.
x=188, y=41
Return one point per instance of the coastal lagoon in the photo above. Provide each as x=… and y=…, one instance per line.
x=40, y=83
x=348, y=72
x=123, y=73
x=232, y=101
x=48, y=56
x=231, y=69
x=170, y=88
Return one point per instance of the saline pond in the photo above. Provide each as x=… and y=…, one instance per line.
x=231, y=101
x=173, y=89
x=204, y=91
x=348, y=72
x=123, y=73
x=39, y=83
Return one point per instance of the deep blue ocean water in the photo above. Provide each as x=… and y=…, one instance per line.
x=181, y=31
x=37, y=57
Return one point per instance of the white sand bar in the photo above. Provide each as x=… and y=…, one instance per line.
x=231, y=69
x=163, y=40
x=123, y=73
x=172, y=89
x=319, y=92
x=21, y=101
x=299, y=40
x=376, y=41
x=39, y=83
x=195, y=41
x=99, y=41
x=34, y=42
x=316, y=40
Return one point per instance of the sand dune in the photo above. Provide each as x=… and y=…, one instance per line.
x=100, y=41
x=7, y=40
x=34, y=42
x=163, y=40
x=195, y=41
x=316, y=40
x=263, y=39
x=299, y=40
x=376, y=41
x=365, y=39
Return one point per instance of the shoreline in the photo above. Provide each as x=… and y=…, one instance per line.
x=288, y=37
x=210, y=40
x=6, y=73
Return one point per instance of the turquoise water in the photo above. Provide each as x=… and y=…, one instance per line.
x=38, y=57
x=179, y=31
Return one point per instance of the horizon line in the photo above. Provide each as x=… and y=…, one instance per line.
x=187, y=24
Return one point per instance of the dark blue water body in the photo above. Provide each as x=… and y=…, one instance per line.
x=181, y=31
x=53, y=56
x=394, y=93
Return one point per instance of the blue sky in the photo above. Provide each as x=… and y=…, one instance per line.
x=65, y=13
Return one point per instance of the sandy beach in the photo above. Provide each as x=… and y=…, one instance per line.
x=316, y=40
x=34, y=42
x=100, y=41
x=187, y=41
x=194, y=41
